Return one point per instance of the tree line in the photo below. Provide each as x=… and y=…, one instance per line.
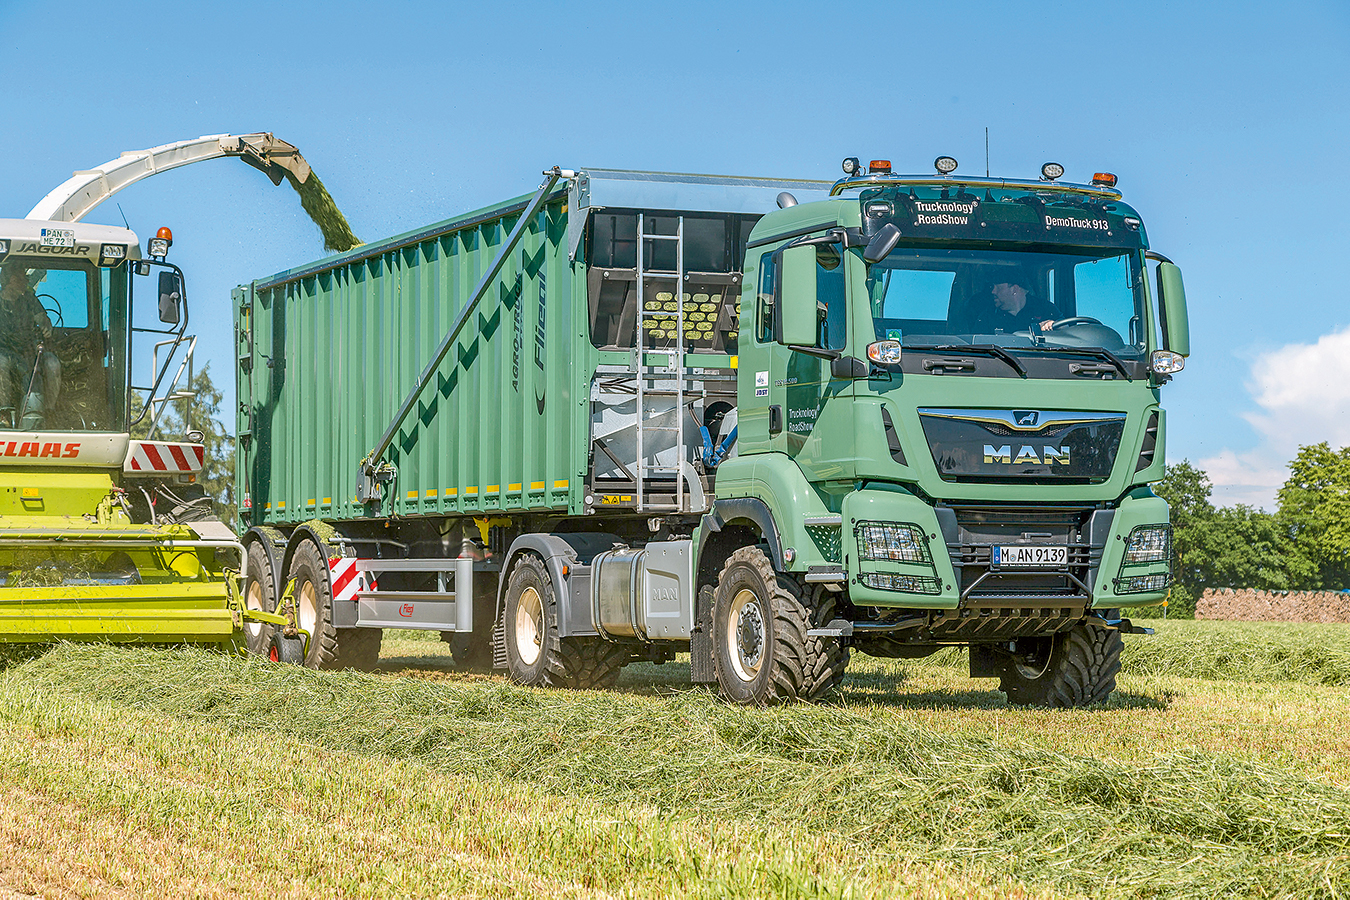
x=1304, y=545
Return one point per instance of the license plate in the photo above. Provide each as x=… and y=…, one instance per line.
x=57, y=237
x=1030, y=556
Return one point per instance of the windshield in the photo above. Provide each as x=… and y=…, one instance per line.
x=1031, y=300
x=62, y=346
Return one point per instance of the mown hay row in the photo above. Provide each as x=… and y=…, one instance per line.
x=1187, y=825
x=1247, y=605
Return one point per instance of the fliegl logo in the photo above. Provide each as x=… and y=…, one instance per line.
x=1049, y=456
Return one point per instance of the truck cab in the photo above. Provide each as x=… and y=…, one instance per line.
x=949, y=412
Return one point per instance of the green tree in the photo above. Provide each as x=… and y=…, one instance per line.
x=199, y=412
x=1186, y=489
x=1315, y=510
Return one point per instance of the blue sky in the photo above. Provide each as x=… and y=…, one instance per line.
x=1228, y=126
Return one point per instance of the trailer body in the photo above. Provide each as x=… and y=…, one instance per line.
x=639, y=413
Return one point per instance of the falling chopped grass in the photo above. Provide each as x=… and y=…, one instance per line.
x=323, y=209
x=1187, y=825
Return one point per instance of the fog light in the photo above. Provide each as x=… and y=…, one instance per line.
x=886, y=353
x=945, y=164
x=1165, y=362
x=901, y=542
x=1149, y=544
x=909, y=584
x=1143, y=584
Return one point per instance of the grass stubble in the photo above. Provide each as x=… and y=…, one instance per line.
x=917, y=782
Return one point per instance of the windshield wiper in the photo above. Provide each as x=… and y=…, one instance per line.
x=1099, y=352
x=987, y=349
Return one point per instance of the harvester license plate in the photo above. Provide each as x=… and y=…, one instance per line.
x=57, y=237
x=1030, y=556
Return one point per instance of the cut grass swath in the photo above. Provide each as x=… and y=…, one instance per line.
x=1189, y=825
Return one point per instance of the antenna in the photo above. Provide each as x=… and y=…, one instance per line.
x=986, y=151
x=124, y=217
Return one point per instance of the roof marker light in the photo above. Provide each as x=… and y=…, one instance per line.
x=1105, y=179
x=851, y=166
x=1051, y=170
x=945, y=165
x=879, y=167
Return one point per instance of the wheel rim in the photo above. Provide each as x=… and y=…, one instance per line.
x=254, y=602
x=529, y=626
x=309, y=607
x=746, y=636
x=272, y=654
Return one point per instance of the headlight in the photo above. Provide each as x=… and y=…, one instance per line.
x=1165, y=362
x=910, y=584
x=1149, y=544
x=901, y=542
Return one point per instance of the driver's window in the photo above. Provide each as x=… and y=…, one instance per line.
x=1104, y=290
x=64, y=293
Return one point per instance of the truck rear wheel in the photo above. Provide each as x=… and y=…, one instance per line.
x=329, y=647
x=1077, y=667
x=535, y=655
x=761, y=650
x=260, y=595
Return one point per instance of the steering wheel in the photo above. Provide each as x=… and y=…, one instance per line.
x=1074, y=320
x=60, y=322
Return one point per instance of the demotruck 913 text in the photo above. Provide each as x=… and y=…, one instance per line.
x=768, y=422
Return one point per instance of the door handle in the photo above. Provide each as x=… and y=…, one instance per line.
x=775, y=419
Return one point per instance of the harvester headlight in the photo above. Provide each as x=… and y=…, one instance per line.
x=946, y=165
x=897, y=541
x=885, y=353
x=1165, y=362
x=1051, y=170
x=1149, y=544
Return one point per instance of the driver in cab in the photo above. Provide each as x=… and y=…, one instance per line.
x=1017, y=309
x=30, y=376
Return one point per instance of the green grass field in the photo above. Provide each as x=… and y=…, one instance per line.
x=1220, y=768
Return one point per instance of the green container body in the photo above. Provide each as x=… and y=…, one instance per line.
x=328, y=353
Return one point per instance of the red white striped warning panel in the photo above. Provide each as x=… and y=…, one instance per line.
x=153, y=457
x=347, y=582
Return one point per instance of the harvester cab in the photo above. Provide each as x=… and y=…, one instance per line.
x=103, y=535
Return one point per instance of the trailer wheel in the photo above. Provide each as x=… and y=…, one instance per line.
x=284, y=649
x=760, y=647
x=329, y=647
x=1077, y=667
x=535, y=655
x=260, y=595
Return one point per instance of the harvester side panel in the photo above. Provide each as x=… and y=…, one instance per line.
x=336, y=348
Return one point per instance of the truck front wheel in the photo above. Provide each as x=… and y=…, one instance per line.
x=761, y=650
x=1077, y=667
x=535, y=655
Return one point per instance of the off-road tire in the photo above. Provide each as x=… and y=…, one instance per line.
x=535, y=655
x=259, y=594
x=761, y=650
x=1077, y=667
x=329, y=647
x=288, y=650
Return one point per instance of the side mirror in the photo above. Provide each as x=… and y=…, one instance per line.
x=882, y=243
x=1176, y=326
x=798, y=318
x=170, y=298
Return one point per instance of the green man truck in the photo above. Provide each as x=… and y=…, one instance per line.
x=103, y=536
x=762, y=421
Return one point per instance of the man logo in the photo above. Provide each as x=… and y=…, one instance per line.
x=1026, y=418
